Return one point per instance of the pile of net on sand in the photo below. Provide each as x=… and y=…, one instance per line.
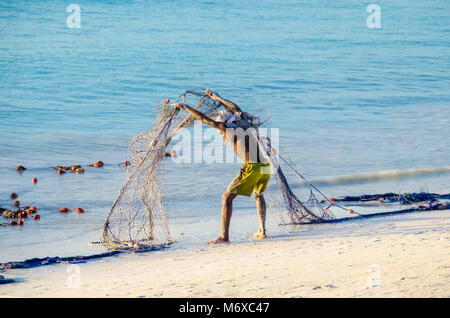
x=137, y=218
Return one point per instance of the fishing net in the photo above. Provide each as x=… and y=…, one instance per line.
x=402, y=198
x=137, y=217
x=297, y=200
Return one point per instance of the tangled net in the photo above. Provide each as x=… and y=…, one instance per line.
x=301, y=206
x=137, y=217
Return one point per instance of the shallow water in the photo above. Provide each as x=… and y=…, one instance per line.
x=347, y=100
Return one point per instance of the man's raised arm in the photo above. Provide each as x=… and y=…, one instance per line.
x=235, y=109
x=204, y=119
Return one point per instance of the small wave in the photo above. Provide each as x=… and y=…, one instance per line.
x=382, y=175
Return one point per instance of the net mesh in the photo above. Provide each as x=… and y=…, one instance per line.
x=297, y=200
x=137, y=217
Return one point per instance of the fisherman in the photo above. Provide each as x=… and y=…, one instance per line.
x=240, y=129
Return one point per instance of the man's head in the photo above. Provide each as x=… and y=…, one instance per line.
x=225, y=117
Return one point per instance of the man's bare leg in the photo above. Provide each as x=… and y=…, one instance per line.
x=227, y=211
x=261, y=207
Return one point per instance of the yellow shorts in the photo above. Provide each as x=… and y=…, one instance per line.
x=254, y=176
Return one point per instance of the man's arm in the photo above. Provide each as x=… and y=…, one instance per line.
x=204, y=119
x=235, y=109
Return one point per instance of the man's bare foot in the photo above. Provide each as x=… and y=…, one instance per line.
x=259, y=235
x=219, y=240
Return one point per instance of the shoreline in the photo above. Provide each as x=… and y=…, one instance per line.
x=399, y=256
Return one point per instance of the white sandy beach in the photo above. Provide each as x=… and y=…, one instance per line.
x=395, y=256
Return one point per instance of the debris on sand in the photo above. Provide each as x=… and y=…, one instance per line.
x=21, y=168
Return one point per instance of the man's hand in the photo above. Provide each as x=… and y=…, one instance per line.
x=209, y=93
x=178, y=106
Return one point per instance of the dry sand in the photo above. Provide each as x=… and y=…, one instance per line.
x=395, y=256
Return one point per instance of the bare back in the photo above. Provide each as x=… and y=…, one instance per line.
x=245, y=142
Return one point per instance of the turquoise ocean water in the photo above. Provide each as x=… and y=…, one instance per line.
x=346, y=99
